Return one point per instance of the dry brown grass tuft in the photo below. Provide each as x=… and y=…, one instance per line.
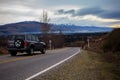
x=3, y=51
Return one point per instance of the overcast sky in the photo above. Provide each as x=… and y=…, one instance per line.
x=78, y=12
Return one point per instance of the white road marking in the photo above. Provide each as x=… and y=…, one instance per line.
x=45, y=70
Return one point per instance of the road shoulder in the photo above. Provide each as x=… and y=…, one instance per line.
x=85, y=66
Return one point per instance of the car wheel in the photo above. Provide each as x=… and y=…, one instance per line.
x=43, y=51
x=13, y=53
x=31, y=51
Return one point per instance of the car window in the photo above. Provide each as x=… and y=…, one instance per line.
x=11, y=37
x=20, y=37
x=33, y=38
x=36, y=38
x=28, y=37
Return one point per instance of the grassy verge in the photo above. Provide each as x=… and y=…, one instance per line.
x=85, y=66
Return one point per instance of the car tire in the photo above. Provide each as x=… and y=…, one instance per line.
x=43, y=51
x=13, y=53
x=31, y=51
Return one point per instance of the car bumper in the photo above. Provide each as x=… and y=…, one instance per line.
x=18, y=49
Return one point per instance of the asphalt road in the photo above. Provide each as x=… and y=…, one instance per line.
x=23, y=66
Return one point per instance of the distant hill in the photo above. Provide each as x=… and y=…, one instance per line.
x=34, y=27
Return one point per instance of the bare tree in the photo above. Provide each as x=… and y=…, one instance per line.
x=45, y=18
x=53, y=40
x=45, y=27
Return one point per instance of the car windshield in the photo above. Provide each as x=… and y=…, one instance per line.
x=13, y=37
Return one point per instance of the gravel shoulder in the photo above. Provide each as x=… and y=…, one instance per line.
x=84, y=66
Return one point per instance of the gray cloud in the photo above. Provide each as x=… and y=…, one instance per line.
x=97, y=11
x=89, y=11
x=62, y=11
x=110, y=15
x=72, y=11
x=83, y=11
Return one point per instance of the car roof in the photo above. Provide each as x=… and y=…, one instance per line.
x=17, y=34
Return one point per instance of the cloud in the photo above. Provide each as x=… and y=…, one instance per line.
x=83, y=11
x=16, y=2
x=116, y=25
x=95, y=11
x=89, y=11
x=62, y=11
x=16, y=12
x=90, y=16
x=111, y=15
x=100, y=12
x=72, y=11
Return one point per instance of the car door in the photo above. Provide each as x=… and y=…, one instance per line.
x=36, y=43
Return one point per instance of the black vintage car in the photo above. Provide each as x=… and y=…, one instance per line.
x=25, y=43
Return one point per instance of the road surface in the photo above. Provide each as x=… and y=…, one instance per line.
x=24, y=67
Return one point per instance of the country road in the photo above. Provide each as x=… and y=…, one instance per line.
x=24, y=67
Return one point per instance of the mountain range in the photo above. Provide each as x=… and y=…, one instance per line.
x=35, y=27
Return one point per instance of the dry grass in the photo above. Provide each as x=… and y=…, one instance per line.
x=84, y=66
x=113, y=58
x=3, y=51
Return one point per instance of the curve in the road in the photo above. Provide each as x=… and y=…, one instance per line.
x=41, y=72
x=28, y=67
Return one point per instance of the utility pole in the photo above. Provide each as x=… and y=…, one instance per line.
x=88, y=42
x=50, y=44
